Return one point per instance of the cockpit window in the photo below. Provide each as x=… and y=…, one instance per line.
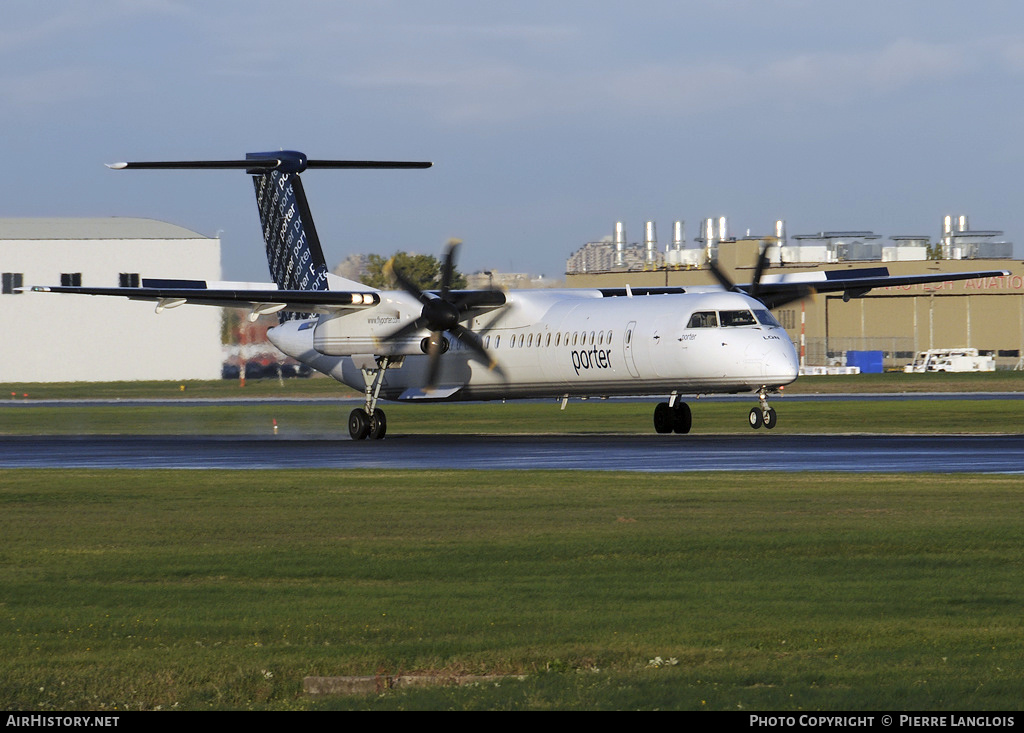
x=765, y=318
x=737, y=318
x=703, y=319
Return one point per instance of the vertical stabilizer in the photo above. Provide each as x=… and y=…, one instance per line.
x=294, y=255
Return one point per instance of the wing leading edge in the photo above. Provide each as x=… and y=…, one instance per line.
x=265, y=300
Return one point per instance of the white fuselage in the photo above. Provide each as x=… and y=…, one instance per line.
x=551, y=343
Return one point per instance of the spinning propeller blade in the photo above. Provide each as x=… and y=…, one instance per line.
x=722, y=278
x=770, y=296
x=755, y=286
x=443, y=313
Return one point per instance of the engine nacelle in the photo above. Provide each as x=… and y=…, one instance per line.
x=365, y=332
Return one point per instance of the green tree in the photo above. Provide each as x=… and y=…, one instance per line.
x=424, y=271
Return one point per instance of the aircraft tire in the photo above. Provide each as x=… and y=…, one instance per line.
x=756, y=418
x=358, y=424
x=378, y=425
x=682, y=418
x=770, y=418
x=664, y=419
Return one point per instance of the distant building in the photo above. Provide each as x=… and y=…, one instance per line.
x=854, y=246
x=606, y=255
x=614, y=254
x=57, y=338
x=488, y=279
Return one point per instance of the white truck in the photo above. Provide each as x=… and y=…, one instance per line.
x=950, y=360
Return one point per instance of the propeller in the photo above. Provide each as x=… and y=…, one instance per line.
x=755, y=290
x=726, y=282
x=443, y=313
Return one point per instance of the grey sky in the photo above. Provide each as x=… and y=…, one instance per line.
x=546, y=121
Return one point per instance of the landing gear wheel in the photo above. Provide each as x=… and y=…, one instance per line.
x=378, y=425
x=358, y=424
x=664, y=418
x=682, y=418
x=770, y=418
x=756, y=417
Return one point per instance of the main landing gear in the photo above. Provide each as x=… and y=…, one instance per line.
x=762, y=415
x=369, y=421
x=362, y=425
x=672, y=417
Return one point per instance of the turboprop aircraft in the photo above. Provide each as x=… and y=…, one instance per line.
x=408, y=344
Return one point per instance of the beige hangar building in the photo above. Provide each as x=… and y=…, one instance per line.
x=50, y=337
x=986, y=314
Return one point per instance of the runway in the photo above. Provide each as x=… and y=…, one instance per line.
x=755, y=452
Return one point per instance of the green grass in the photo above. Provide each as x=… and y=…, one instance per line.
x=1001, y=381
x=593, y=416
x=223, y=589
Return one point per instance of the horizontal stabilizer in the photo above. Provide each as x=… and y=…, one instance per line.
x=286, y=161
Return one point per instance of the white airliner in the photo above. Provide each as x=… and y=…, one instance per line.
x=411, y=345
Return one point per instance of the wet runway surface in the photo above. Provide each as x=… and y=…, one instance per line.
x=748, y=452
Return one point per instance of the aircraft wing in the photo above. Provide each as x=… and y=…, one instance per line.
x=262, y=299
x=778, y=290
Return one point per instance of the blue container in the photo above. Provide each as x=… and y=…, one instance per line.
x=870, y=362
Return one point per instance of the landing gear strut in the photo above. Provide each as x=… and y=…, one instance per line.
x=762, y=415
x=369, y=421
x=672, y=417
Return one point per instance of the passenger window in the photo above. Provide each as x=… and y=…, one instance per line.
x=737, y=318
x=529, y=340
x=703, y=319
x=592, y=338
x=497, y=341
x=521, y=337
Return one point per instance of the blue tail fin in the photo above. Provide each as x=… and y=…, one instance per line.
x=293, y=249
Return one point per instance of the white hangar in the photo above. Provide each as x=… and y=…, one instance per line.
x=50, y=337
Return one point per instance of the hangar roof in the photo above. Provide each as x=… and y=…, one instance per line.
x=111, y=227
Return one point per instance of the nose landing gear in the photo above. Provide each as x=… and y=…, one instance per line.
x=763, y=415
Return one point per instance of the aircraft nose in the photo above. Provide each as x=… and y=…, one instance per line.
x=781, y=364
